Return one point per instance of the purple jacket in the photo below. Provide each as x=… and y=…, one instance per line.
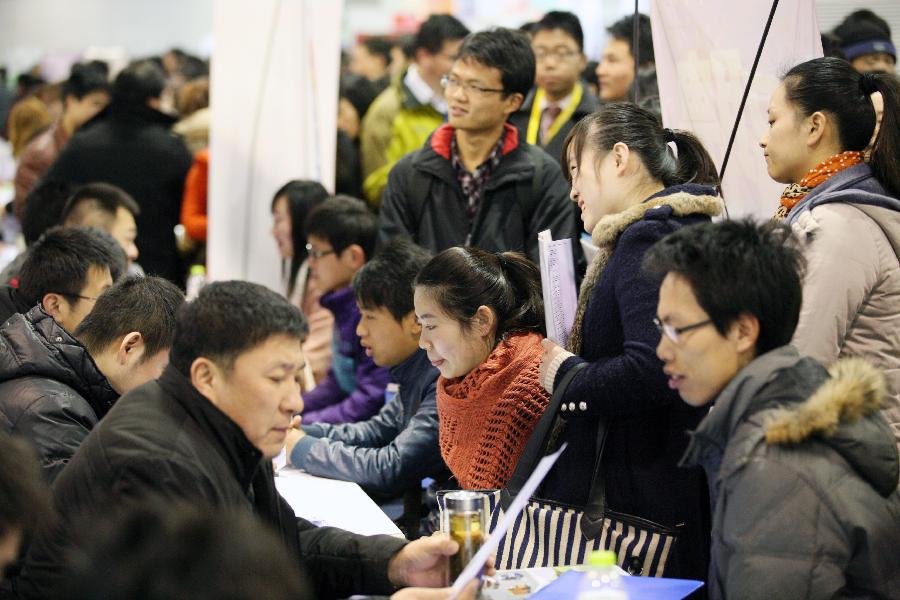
x=353, y=390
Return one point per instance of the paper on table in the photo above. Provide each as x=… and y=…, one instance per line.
x=558, y=286
x=333, y=503
x=474, y=567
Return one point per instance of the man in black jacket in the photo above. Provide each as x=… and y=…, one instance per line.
x=129, y=145
x=475, y=182
x=65, y=272
x=393, y=451
x=204, y=433
x=55, y=387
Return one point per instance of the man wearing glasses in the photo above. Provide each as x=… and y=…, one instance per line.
x=475, y=182
x=802, y=466
x=559, y=99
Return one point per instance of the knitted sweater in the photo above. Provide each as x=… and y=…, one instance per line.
x=487, y=416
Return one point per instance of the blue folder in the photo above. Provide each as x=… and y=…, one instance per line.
x=637, y=588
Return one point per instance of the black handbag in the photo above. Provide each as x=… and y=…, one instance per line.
x=549, y=534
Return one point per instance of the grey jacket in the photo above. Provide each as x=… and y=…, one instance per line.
x=392, y=451
x=803, y=474
x=850, y=230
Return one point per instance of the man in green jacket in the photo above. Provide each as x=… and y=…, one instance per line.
x=403, y=116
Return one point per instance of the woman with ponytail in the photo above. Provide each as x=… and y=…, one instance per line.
x=482, y=318
x=635, y=182
x=842, y=202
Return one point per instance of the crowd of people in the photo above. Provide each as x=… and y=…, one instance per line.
x=734, y=384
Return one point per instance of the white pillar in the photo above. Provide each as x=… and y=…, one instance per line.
x=275, y=71
x=704, y=51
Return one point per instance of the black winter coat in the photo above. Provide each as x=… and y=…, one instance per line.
x=164, y=441
x=12, y=302
x=525, y=195
x=137, y=152
x=51, y=391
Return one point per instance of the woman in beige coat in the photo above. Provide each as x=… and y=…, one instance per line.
x=846, y=210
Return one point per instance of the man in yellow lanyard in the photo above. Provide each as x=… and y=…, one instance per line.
x=559, y=98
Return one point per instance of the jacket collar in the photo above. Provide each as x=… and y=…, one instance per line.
x=440, y=140
x=341, y=303
x=415, y=367
x=684, y=200
x=41, y=347
x=857, y=185
x=15, y=299
x=243, y=458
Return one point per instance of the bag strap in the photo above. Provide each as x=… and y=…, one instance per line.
x=536, y=447
x=594, y=511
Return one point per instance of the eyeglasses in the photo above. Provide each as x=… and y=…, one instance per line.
x=560, y=54
x=450, y=83
x=79, y=296
x=674, y=333
x=315, y=253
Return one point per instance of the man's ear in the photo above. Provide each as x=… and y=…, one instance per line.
x=411, y=325
x=355, y=256
x=54, y=305
x=513, y=103
x=745, y=333
x=205, y=375
x=130, y=348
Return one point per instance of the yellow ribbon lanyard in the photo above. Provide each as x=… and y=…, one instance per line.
x=534, y=122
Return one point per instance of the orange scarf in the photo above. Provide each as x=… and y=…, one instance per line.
x=822, y=172
x=486, y=417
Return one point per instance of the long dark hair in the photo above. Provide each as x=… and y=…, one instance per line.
x=833, y=86
x=641, y=131
x=463, y=278
x=302, y=196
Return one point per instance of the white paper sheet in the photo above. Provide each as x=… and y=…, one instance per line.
x=333, y=503
x=558, y=286
x=490, y=545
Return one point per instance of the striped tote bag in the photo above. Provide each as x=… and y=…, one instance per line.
x=550, y=534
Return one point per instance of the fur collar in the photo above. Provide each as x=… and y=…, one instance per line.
x=856, y=389
x=610, y=227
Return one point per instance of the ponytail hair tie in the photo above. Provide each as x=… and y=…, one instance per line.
x=867, y=84
x=669, y=135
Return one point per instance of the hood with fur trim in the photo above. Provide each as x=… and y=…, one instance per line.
x=844, y=413
x=782, y=400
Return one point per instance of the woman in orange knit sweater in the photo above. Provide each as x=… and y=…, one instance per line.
x=482, y=319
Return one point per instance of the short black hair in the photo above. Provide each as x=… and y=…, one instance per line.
x=343, y=221
x=738, y=267
x=386, y=281
x=43, y=207
x=564, y=21
x=436, y=30
x=157, y=551
x=379, y=46
x=60, y=260
x=229, y=318
x=134, y=303
x=138, y=82
x=359, y=91
x=25, y=499
x=623, y=29
x=506, y=50
x=92, y=197
x=84, y=79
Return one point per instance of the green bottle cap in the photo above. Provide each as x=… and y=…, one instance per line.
x=602, y=558
x=198, y=270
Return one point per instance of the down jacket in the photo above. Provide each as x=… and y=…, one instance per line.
x=51, y=391
x=851, y=291
x=803, y=476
